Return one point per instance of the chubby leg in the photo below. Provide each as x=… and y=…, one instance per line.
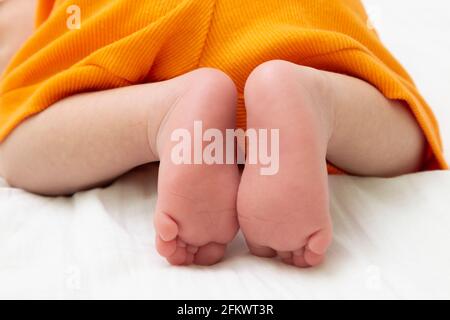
x=321, y=116
x=89, y=139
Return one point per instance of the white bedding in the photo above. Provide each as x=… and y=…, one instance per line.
x=392, y=236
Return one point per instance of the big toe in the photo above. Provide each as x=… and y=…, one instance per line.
x=320, y=241
x=166, y=227
x=314, y=253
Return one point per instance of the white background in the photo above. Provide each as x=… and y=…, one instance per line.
x=418, y=33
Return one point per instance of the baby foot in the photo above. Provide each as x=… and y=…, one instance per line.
x=288, y=213
x=196, y=210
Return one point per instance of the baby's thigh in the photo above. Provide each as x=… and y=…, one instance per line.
x=92, y=138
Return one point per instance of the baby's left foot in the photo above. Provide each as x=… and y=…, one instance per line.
x=196, y=215
x=288, y=213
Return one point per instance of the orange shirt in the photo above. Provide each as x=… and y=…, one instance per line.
x=122, y=42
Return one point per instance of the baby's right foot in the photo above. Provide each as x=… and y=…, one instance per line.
x=196, y=210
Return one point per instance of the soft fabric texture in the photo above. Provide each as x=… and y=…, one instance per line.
x=391, y=235
x=121, y=43
x=391, y=241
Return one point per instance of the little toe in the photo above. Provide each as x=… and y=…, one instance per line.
x=209, y=254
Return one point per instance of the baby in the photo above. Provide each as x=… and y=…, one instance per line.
x=101, y=87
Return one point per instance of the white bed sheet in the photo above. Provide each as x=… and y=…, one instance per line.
x=392, y=235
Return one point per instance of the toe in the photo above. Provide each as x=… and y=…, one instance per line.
x=320, y=241
x=192, y=249
x=209, y=254
x=166, y=227
x=189, y=259
x=260, y=251
x=179, y=258
x=165, y=248
x=287, y=257
x=312, y=258
x=299, y=252
x=299, y=261
x=181, y=243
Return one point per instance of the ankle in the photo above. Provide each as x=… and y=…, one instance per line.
x=203, y=92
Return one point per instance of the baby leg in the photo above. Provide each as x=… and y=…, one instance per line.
x=321, y=116
x=89, y=139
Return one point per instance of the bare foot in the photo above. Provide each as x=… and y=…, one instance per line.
x=288, y=213
x=196, y=211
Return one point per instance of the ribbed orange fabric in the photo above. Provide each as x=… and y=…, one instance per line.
x=123, y=42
